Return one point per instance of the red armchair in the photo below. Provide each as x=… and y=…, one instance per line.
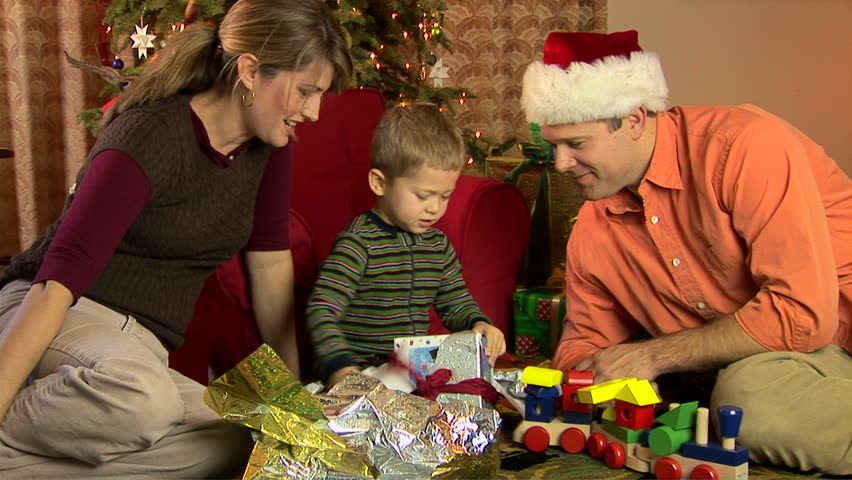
x=487, y=222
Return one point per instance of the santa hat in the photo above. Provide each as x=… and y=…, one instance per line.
x=592, y=76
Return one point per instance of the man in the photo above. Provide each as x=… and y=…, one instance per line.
x=723, y=232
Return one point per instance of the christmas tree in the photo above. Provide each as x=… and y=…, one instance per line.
x=394, y=46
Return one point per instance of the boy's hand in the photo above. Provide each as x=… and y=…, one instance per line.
x=496, y=345
x=339, y=375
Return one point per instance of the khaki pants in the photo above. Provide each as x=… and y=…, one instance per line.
x=797, y=407
x=102, y=402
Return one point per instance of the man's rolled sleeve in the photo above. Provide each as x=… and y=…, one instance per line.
x=780, y=219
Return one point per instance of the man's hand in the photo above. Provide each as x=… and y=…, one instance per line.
x=622, y=361
x=496, y=342
x=713, y=345
x=339, y=375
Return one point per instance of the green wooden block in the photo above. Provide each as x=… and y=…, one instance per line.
x=681, y=417
x=665, y=440
x=626, y=435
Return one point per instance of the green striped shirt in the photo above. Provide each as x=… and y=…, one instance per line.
x=379, y=283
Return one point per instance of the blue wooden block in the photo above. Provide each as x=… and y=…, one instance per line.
x=541, y=392
x=715, y=453
x=577, y=418
x=539, y=409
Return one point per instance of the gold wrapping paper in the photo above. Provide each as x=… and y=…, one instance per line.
x=261, y=393
x=358, y=430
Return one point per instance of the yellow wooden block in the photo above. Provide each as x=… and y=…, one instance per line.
x=542, y=377
x=609, y=414
x=602, y=392
x=639, y=393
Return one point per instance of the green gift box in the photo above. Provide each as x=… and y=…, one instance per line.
x=538, y=312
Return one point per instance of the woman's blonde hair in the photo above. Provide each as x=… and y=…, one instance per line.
x=282, y=34
x=416, y=135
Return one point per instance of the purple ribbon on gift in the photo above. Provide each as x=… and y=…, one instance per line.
x=436, y=383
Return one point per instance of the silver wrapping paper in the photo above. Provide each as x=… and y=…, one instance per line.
x=406, y=436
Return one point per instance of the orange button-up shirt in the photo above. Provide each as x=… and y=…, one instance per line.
x=739, y=213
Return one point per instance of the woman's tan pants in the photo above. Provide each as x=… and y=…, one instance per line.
x=102, y=402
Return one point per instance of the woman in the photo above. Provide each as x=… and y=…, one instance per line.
x=190, y=167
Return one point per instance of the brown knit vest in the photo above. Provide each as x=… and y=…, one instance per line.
x=200, y=215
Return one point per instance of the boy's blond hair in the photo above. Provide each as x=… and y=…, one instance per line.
x=417, y=135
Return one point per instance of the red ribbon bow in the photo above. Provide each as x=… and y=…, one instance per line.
x=436, y=383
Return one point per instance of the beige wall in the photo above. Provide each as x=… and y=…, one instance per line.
x=791, y=57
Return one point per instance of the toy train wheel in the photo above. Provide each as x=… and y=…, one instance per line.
x=573, y=440
x=596, y=445
x=537, y=439
x=668, y=468
x=614, y=456
x=704, y=472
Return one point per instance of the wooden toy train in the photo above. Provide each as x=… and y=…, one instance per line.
x=673, y=445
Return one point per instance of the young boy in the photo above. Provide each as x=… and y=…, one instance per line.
x=390, y=265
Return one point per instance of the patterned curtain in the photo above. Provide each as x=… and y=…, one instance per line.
x=494, y=41
x=40, y=96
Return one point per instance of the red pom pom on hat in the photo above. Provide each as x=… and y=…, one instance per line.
x=592, y=76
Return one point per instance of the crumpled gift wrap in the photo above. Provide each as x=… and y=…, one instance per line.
x=359, y=429
x=261, y=393
x=407, y=436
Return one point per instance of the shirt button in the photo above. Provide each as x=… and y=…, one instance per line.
x=655, y=219
x=231, y=158
x=701, y=305
x=676, y=262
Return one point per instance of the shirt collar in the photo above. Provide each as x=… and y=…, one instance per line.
x=663, y=169
x=221, y=160
x=392, y=229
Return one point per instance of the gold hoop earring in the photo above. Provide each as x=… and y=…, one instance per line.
x=250, y=100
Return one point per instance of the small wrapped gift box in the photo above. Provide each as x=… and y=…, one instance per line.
x=538, y=312
x=461, y=353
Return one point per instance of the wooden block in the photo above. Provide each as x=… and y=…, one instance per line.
x=569, y=400
x=602, y=392
x=542, y=377
x=626, y=435
x=680, y=417
x=639, y=393
x=664, y=440
x=584, y=418
x=539, y=409
x=634, y=417
x=580, y=377
x=715, y=453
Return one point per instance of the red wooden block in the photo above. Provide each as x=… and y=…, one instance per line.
x=634, y=417
x=580, y=377
x=569, y=400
